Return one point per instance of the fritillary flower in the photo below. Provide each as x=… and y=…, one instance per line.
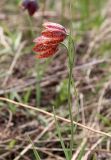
x=52, y=36
x=30, y=5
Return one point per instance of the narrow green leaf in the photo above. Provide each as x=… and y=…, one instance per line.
x=60, y=136
x=34, y=150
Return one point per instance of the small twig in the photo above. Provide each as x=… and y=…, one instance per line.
x=58, y=117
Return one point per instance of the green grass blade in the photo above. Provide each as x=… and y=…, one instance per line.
x=34, y=150
x=61, y=140
x=82, y=152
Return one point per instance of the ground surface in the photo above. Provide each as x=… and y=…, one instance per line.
x=21, y=73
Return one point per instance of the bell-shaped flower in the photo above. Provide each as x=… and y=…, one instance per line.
x=52, y=36
x=30, y=5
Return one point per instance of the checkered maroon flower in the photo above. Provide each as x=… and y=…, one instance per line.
x=30, y=5
x=47, y=44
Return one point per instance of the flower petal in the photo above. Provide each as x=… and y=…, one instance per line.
x=54, y=33
x=48, y=41
x=47, y=44
x=49, y=25
x=30, y=5
x=43, y=48
x=47, y=53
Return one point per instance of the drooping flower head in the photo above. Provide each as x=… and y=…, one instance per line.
x=47, y=44
x=30, y=5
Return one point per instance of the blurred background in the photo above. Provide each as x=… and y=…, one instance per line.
x=43, y=83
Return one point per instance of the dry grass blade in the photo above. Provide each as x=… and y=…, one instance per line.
x=92, y=148
x=58, y=117
x=30, y=145
x=3, y=38
x=14, y=63
x=79, y=149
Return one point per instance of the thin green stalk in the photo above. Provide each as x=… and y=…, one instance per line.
x=43, y=12
x=69, y=98
x=31, y=25
x=34, y=150
x=38, y=76
x=71, y=63
x=73, y=81
x=38, y=89
x=41, y=71
x=60, y=136
x=62, y=9
x=70, y=50
x=71, y=59
x=44, y=7
x=81, y=153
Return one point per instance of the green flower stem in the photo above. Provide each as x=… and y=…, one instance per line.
x=60, y=136
x=70, y=64
x=71, y=57
x=70, y=109
x=62, y=9
x=38, y=76
x=31, y=25
x=38, y=89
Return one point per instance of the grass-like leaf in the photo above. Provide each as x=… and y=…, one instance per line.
x=34, y=150
x=60, y=136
